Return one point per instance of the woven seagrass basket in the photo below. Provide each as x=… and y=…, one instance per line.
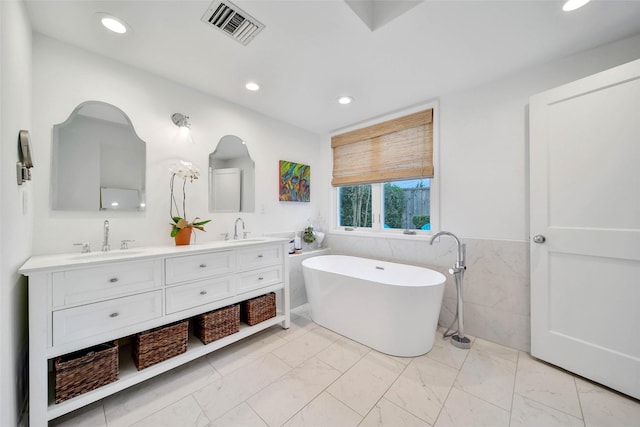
x=159, y=344
x=217, y=324
x=82, y=371
x=259, y=309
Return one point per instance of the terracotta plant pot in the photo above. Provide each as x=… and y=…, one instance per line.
x=184, y=236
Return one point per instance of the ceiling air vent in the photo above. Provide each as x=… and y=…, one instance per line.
x=233, y=21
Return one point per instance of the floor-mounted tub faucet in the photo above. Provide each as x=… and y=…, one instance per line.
x=457, y=338
x=460, y=259
x=235, y=228
x=105, y=240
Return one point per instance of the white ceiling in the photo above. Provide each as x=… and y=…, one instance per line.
x=311, y=52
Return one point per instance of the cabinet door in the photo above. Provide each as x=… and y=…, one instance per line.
x=183, y=297
x=261, y=256
x=84, y=285
x=85, y=321
x=256, y=279
x=194, y=267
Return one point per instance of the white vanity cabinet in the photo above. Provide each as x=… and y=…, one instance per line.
x=80, y=300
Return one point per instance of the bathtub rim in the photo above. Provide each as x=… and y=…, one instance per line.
x=441, y=279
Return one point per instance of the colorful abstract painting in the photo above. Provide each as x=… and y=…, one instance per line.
x=294, y=182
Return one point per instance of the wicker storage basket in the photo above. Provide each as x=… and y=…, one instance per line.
x=155, y=345
x=219, y=323
x=85, y=370
x=258, y=309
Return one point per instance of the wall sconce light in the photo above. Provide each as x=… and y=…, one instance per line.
x=181, y=120
x=571, y=5
x=23, y=167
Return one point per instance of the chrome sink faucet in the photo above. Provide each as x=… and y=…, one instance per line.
x=235, y=228
x=105, y=240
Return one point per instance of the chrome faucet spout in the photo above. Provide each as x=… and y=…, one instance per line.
x=460, y=259
x=105, y=240
x=235, y=228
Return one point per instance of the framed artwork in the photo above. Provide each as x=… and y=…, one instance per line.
x=295, y=184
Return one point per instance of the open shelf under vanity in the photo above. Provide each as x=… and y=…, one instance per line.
x=130, y=375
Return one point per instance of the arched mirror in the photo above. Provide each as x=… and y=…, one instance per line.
x=98, y=161
x=231, y=177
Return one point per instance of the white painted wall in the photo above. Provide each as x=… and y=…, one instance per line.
x=15, y=225
x=484, y=144
x=65, y=76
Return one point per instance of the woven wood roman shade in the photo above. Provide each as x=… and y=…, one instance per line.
x=394, y=150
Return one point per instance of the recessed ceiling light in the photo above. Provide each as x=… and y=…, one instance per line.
x=113, y=24
x=252, y=86
x=344, y=100
x=574, y=4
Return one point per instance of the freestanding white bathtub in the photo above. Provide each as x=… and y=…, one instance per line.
x=390, y=307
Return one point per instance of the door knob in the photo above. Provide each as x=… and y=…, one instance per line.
x=539, y=238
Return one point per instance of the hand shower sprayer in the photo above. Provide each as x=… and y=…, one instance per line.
x=457, y=338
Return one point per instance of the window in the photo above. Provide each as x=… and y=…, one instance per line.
x=382, y=174
x=405, y=205
x=354, y=204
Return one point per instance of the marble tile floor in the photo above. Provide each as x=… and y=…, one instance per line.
x=310, y=376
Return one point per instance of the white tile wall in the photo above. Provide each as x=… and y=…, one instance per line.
x=297, y=292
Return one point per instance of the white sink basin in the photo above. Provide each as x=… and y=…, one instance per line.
x=245, y=241
x=94, y=256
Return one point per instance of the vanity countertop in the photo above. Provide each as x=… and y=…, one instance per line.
x=76, y=259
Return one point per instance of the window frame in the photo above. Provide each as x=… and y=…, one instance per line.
x=377, y=198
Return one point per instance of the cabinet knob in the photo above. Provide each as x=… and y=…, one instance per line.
x=116, y=314
x=260, y=278
x=260, y=256
x=113, y=279
x=203, y=292
x=203, y=265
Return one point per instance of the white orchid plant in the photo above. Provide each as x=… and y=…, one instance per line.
x=185, y=171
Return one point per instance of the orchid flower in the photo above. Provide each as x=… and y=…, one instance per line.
x=186, y=171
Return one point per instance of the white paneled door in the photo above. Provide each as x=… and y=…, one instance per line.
x=585, y=227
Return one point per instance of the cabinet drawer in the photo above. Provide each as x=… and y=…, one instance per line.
x=249, y=259
x=76, y=323
x=107, y=281
x=183, y=297
x=259, y=278
x=193, y=267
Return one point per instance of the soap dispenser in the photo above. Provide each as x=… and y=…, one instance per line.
x=297, y=243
